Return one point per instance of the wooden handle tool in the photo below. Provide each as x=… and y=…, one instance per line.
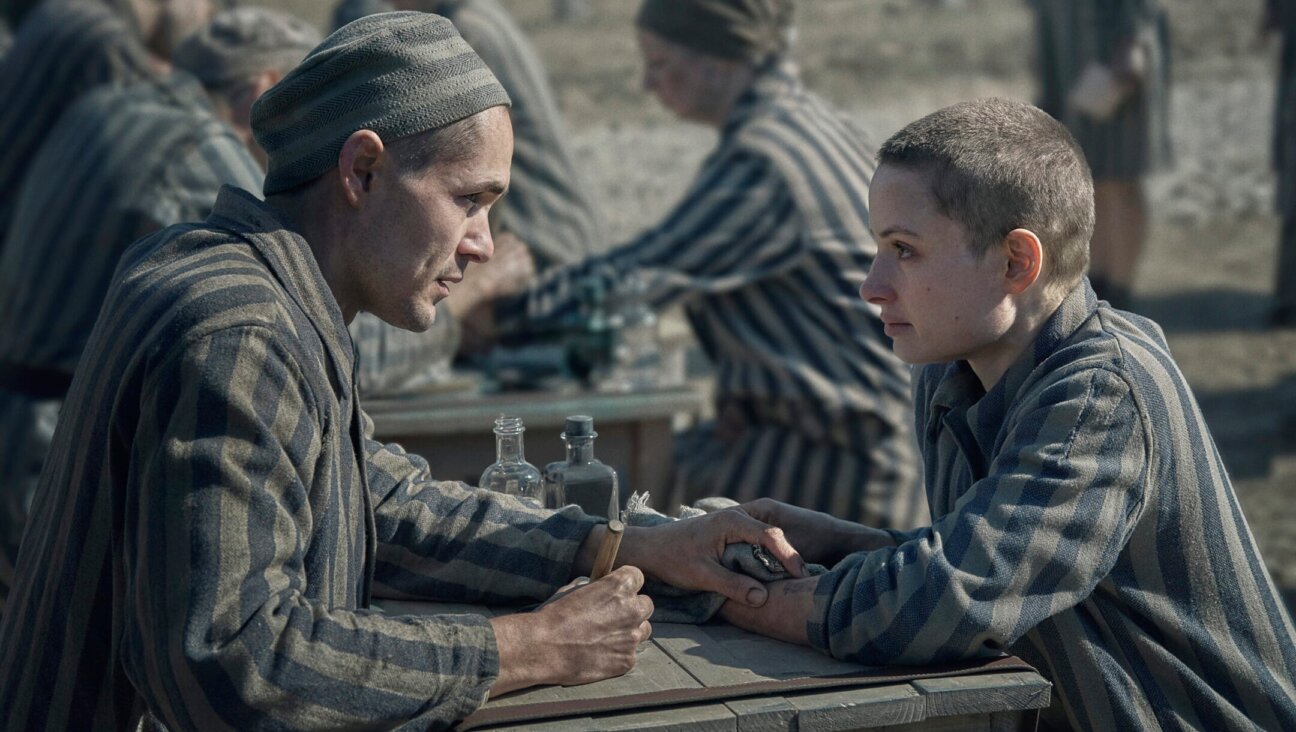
x=607, y=550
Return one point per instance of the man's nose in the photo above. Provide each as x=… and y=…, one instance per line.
x=478, y=244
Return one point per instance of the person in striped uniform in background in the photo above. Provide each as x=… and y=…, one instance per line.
x=204, y=548
x=549, y=212
x=64, y=48
x=1083, y=518
x=123, y=162
x=1105, y=73
x=765, y=252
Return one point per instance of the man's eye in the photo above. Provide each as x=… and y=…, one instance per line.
x=902, y=250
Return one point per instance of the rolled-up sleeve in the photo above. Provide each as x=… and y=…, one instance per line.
x=1033, y=537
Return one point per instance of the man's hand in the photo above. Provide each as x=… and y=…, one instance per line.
x=586, y=633
x=784, y=616
x=819, y=537
x=686, y=553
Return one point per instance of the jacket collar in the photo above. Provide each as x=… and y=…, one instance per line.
x=293, y=264
x=776, y=79
x=961, y=393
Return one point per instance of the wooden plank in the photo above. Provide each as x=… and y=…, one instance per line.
x=703, y=718
x=459, y=413
x=874, y=706
x=653, y=671
x=706, y=660
x=984, y=693
x=764, y=714
x=997, y=722
x=720, y=654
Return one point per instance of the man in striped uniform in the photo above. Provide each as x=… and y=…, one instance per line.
x=203, y=552
x=549, y=205
x=65, y=48
x=1083, y=519
x=123, y=162
x=765, y=253
x=1130, y=40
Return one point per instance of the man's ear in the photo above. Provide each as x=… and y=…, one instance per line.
x=363, y=155
x=1024, y=259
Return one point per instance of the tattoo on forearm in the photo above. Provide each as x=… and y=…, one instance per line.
x=800, y=586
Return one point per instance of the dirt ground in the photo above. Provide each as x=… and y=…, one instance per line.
x=1208, y=269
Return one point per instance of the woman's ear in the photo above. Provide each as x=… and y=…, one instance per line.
x=1024, y=256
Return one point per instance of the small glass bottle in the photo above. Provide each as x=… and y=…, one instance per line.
x=581, y=479
x=636, y=356
x=511, y=473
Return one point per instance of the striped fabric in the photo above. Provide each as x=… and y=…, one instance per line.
x=208, y=543
x=61, y=50
x=1085, y=522
x=1076, y=33
x=766, y=252
x=549, y=205
x=393, y=361
x=123, y=162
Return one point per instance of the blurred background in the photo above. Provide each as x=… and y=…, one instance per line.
x=1207, y=273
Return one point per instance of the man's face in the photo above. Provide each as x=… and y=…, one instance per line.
x=678, y=78
x=420, y=229
x=940, y=302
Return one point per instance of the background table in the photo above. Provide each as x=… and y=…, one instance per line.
x=718, y=654
x=453, y=431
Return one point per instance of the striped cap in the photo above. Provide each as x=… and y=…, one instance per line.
x=241, y=43
x=397, y=74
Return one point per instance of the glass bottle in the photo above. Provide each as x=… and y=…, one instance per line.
x=511, y=473
x=581, y=479
x=636, y=357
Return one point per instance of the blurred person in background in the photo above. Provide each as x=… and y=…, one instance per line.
x=1104, y=72
x=349, y=10
x=1280, y=17
x=549, y=212
x=765, y=252
x=64, y=48
x=123, y=162
x=215, y=520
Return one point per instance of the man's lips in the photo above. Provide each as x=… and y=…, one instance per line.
x=444, y=284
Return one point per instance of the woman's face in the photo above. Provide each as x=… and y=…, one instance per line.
x=685, y=82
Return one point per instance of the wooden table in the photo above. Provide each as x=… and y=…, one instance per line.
x=721, y=655
x=453, y=431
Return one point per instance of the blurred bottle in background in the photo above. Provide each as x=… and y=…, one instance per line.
x=636, y=353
